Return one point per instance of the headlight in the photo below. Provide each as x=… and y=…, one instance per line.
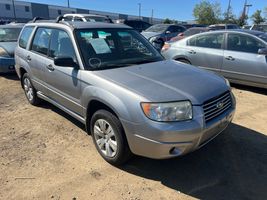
x=227, y=82
x=3, y=53
x=164, y=112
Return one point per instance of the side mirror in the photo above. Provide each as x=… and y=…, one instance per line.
x=168, y=32
x=65, y=62
x=262, y=51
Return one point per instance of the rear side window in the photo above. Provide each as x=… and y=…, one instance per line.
x=25, y=36
x=213, y=41
x=41, y=40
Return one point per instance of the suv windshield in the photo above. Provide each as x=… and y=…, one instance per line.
x=9, y=34
x=157, y=28
x=112, y=48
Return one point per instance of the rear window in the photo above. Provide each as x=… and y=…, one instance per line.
x=25, y=36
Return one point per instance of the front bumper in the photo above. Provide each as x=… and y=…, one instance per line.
x=7, y=65
x=165, y=140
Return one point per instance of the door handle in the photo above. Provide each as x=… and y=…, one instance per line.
x=230, y=58
x=50, y=67
x=28, y=58
x=192, y=52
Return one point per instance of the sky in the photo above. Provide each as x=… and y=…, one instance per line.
x=181, y=10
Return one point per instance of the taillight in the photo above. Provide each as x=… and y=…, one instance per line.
x=166, y=46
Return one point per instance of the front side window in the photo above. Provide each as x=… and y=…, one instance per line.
x=41, y=40
x=111, y=48
x=243, y=43
x=61, y=45
x=25, y=36
x=213, y=41
x=9, y=34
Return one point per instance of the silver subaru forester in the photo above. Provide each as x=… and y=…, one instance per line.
x=112, y=79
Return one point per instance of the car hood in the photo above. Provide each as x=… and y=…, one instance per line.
x=148, y=35
x=9, y=47
x=166, y=81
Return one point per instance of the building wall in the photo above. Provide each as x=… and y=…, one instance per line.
x=25, y=11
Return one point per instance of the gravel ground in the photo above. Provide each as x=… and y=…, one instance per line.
x=46, y=154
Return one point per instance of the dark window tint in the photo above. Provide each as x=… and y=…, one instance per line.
x=243, y=43
x=78, y=19
x=25, y=35
x=176, y=29
x=7, y=7
x=213, y=41
x=27, y=9
x=41, y=40
x=61, y=45
x=69, y=18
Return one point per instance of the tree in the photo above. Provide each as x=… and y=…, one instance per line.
x=207, y=13
x=167, y=21
x=257, y=18
x=229, y=17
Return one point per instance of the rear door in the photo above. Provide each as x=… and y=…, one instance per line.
x=241, y=59
x=37, y=58
x=206, y=51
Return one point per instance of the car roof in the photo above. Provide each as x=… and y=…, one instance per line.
x=79, y=25
x=12, y=25
x=83, y=15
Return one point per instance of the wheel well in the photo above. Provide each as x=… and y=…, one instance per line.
x=22, y=72
x=182, y=59
x=94, y=106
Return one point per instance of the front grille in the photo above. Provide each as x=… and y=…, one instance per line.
x=217, y=106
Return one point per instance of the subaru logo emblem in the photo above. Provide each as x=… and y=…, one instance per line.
x=220, y=105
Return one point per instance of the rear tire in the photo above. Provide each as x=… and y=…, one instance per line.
x=109, y=137
x=29, y=90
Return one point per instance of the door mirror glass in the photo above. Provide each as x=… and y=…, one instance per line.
x=65, y=62
x=262, y=51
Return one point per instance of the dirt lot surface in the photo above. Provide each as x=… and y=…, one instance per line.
x=46, y=154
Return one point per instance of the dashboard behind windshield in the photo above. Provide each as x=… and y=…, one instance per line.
x=112, y=48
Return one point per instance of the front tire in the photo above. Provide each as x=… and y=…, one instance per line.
x=109, y=138
x=29, y=90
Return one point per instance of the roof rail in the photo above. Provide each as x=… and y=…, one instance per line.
x=36, y=18
x=59, y=18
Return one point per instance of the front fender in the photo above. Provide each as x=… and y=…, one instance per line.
x=113, y=102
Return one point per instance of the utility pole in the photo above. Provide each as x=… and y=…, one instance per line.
x=152, y=15
x=139, y=10
x=14, y=10
x=228, y=9
x=68, y=3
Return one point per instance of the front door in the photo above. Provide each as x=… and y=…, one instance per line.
x=63, y=82
x=242, y=62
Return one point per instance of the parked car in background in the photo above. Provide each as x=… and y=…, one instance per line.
x=189, y=32
x=87, y=18
x=239, y=55
x=114, y=81
x=160, y=33
x=246, y=27
x=187, y=26
x=259, y=27
x=223, y=26
x=136, y=24
x=8, y=40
